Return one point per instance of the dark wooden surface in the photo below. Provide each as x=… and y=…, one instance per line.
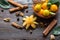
x=8, y=32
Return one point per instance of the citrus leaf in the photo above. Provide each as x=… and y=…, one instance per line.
x=56, y=31
x=57, y=2
x=4, y=4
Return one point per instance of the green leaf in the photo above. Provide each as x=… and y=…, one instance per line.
x=56, y=31
x=49, y=4
x=4, y=4
x=51, y=13
x=54, y=2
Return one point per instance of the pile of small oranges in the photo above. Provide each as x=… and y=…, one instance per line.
x=45, y=10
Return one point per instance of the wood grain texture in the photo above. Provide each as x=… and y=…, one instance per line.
x=8, y=32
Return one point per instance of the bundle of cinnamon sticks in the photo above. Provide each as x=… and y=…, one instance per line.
x=19, y=6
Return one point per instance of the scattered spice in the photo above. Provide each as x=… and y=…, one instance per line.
x=14, y=9
x=52, y=37
x=21, y=14
x=18, y=19
x=26, y=11
x=42, y=24
x=30, y=31
x=17, y=14
x=7, y=19
x=2, y=10
x=16, y=25
x=23, y=39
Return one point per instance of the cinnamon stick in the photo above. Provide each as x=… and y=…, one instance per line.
x=16, y=25
x=15, y=3
x=18, y=8
x=50, y=26
x=14, y=9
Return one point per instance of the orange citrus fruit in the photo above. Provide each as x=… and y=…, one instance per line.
x=54, y=8
x=46, y=13
x=44, y=6
x=41, y=11
x=37, y=7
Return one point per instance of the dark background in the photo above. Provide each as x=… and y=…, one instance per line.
x=8, y=32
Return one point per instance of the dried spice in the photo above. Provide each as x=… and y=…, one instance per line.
x=42, y=24
x=14, y=9
x=17, y=14
x=21, y=14
x=18, y=19
x=26, y=11
x=7, y=19
x=19, y=6
x=16, y=25
x=30, y=31
x=50, y=26
x=52, y=37
x=2, y=10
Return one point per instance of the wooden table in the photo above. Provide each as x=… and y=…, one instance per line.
x=8, y=32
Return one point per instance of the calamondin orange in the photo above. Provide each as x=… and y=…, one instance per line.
x=37, y=7
x=54, y=8
x=46, y=13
